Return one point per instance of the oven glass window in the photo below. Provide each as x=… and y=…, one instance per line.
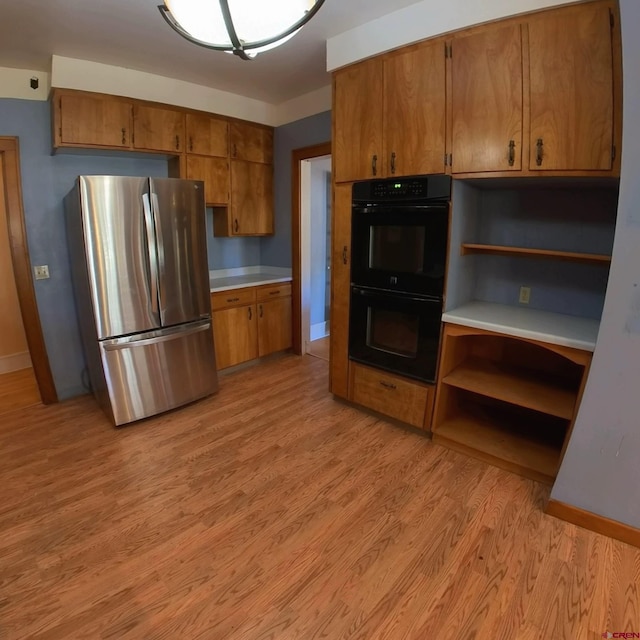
x=397, y=248
x=393, y=332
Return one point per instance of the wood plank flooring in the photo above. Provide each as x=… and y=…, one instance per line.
x=272, y=511
x=320, y=348
x=18, y=389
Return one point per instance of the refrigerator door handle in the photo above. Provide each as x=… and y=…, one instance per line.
x=126, y=343
x=151, y=246
x=160, y=249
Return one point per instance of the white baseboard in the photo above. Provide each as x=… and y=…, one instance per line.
x=15, y=362
x=320, y=330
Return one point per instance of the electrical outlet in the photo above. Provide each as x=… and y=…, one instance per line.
x=42, y=272
x=525, y=295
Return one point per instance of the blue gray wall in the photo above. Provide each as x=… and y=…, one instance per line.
x=276, y=251
x=229, y=253
x=600, y=471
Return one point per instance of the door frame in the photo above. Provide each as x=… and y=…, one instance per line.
x=10, y=152
x=297, y=156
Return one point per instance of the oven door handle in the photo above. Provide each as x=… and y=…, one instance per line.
x=385, y=293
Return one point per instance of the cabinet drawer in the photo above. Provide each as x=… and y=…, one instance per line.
x=389, y=394
x=233, y=298
x=270, y=291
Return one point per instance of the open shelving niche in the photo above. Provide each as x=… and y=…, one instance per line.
x=517, y=410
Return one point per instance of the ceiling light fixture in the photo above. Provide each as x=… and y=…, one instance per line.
x=242, y=27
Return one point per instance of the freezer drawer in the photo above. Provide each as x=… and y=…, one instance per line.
x=159, y=370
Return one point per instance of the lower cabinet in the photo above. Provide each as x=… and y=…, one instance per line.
x=251, y=322
x=509, y=401
x=400, y=398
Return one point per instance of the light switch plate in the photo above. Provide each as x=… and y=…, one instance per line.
x=42, y=272
x=525, y=295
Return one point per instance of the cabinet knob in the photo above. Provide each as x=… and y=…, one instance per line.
x=124, y=136
x=177, y=143
x=344, y=254
x=393, y=162
x=374, y=164
x=512, y=152
x=250, y=314
x=236, y=226
x=190, y=143
x=261, y=313
x=539, y=151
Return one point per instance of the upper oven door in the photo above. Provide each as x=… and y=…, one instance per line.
x=401, y=248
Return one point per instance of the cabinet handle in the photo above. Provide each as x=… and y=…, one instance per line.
x=235, y=225
x=512, y=152
x=274, y=293
x=344, y=254
x=539, y=151
x=250, y=314
x=374, y=164
x=233, y=299
x=235, y=150
x=387, y=385
x=177, y=143
x=190, y=143
x=393, y=163
x=124, y=136
x=261, y=314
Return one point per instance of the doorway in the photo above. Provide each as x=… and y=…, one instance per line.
x=311, y=248
x=25, y=376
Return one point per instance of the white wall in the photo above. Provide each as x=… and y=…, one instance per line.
x=419, y=21
x=16, y=83
x=601, y=469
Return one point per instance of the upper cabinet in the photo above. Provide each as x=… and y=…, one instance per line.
x=390, y=115
x=572, y=89
x=207, y=135
x=158, y=129
x=251, y=142
x=85, y=119
x=486, y=100
x=534, y=95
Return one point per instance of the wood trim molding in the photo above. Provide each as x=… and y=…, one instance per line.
x=297, y=155
x=9, y=150
x=594, y=522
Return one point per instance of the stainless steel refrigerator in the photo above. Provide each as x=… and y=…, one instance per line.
x=139, y=261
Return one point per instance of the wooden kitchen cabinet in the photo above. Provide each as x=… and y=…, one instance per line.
x=207, y=135
x=86, y=120
x=340, y=290
x=251, y=142
x=572, y=88
x=158, y=129
x=486, y=100
x=390, y=115
x=274, y=318
x=250, y=212
x=214, y=172
x=251, y=322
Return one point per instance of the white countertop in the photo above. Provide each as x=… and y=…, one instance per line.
x=226, y=279
x=554, y=328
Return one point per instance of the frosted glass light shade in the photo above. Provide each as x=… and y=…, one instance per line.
x=244, y=27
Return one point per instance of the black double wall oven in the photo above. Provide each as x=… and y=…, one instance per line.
x=400, y=235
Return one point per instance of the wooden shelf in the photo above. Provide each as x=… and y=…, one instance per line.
x=499, y=443
x=500, y=250
x=514, y=386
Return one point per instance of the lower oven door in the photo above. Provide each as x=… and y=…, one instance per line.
x=395, y=332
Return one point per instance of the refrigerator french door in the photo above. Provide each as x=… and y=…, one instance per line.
x=138, y=247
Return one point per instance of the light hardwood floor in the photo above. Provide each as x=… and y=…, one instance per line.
x=320, y=348
x=272, y=511
x=18, y=389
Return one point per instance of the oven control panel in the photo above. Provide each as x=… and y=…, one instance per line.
x=436, y=187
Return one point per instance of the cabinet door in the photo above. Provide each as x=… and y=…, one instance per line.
x=215, y=174
x=251, y=198
x=250, y=142
x=357, y=134
x=571, y=90
x=158, y=129
x=486, y=96
x=414, y=111
x=207, y=136
x=274, y=325
x=235, y=334
x=340, y=290
x=94, y=120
